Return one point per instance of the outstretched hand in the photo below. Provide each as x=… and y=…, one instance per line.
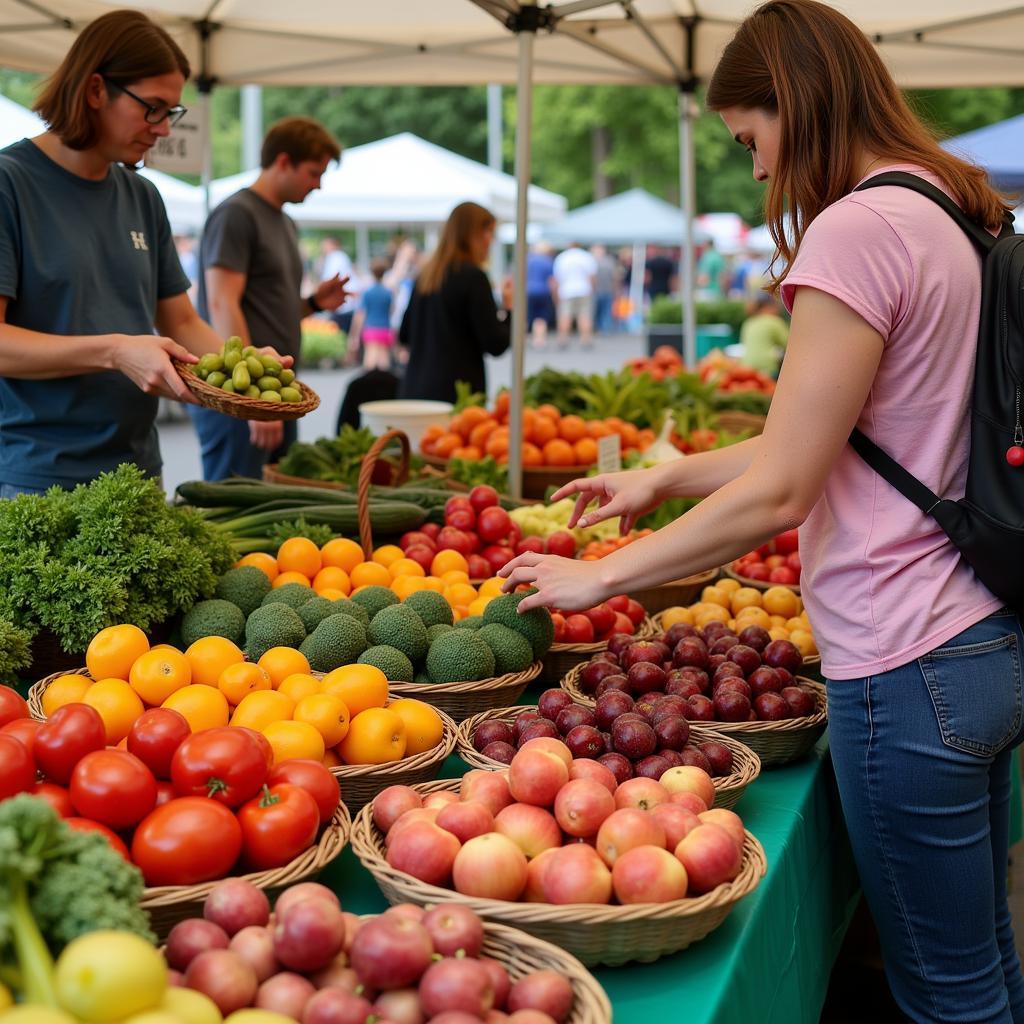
x=561, y=582
x=629, y=494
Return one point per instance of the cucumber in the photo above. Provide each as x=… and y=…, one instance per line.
x=246, y=493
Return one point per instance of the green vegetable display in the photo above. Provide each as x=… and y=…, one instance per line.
x=215, y=617
x=245, y=371
x=390, y=660
x=15, y=651
x=337, y=640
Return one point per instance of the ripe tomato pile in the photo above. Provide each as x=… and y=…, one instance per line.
x=619, y=614
x=778, y=561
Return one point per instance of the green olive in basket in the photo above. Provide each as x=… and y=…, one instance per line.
x=271, y=367
x=287, y=376
x=228, y=386
x=271, y=396
x=240, y=377
x=255, y=367
x=252, y=391
x=216, y=378
x=290, y=394
x=232, y=357
x=269, y=384
x=210, y=361
x=234, y=342
x=249, y=350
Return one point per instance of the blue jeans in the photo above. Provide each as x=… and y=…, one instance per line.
x=225, y=446
x=13, y=490
x=922, y=757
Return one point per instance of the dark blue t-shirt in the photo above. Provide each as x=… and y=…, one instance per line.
x=376, y=303
x=539, y=268
x=79, y=257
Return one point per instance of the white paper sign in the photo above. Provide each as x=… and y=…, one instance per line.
x=181, y=152
x=609, y=454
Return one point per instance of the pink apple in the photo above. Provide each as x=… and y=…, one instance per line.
x=428, y=814
x=491, y=867
x=641, y=792
x=710, y=857
x=392, y=952
x=391, y=803
x=490, y=788
x=440, y=800
x=587, y=768
x=677, y=821
x=729, y=820
x=648, y=874
x=456, y=984
x=581, y=806
x=466, y=819
x=576, y=874
x=499, y=979
x=690, y=801
x=452, y=927
x=626, y=829
x=536, y=776
x=424, y=851
x=534, y=891
x=547, y=991
x=407, y=910
x=532, y=829
x=552, y=746
x=689, y=778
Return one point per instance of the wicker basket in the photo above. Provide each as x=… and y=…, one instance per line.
x=677, y=593
x=243, y=408
x=461, y=700
x=728, y=788
x=563, y=658
x=36, y=691
x=169, y=904
x=360, y=783
x=596, y=934
x=728, y=570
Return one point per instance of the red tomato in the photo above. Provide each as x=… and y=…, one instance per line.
x=278, y=825
x=786, y=543
x=461, y=519
x=226, y=764
x=88, y=825
x=478, y=567
x=113, y=787
x=17, y=770
x=56, y=796
x=456, y=501
x=498, y=555
x=623, y=623
x=579, y=630
x=262, y=742
x=415, y=537
x=164, y=792
x=12, y=705
x=24, y=729
x=482, y=497
x=315, y=779
x=449, y=537
x=534, y=544
x=563, y=543
x=782, y=575
x=423, y=554
x=559, y=622
x=794, y=563
x=187, y=841
x=758, y=571
x=154, y=737
x=431, y=530
x=65, y=738
x=515, y=535
x=603, y=619
x=493, y=524
x=635, y=611
x=618, y=603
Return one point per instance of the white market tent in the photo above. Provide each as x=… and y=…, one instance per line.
x=936, y=43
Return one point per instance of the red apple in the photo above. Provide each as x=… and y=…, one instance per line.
x=498, y=555
x=582, y=805
x=676, y=820
x=729, y=820
x=551, y=746
x=710, y=857
x=576, y=874
x=603, y=619
x=478, y=567
x=455, y=984
x=648, y=874
x=578, y=629
x=452, y=927
x=801, y=702
x=490, y=788
x=689, y=779
x=536, y=776
x=414, y=537
x=532, y=829
x=392, y=952
x=561, y=543
x=336, y=1006
x=493, y=524
x=693, y=803
x=428, y=814
x=534, y=891
x=424, y=851
x=623, y=623
x=422, y=555
x=626, y=829
x=491, y=867
x=532, y=544
x=587, y=768
x=456, y=540
x=466, y=819
x=483, y=496
x=642, y=793
x=546, y=991
x=440, y=800
x=499, y=979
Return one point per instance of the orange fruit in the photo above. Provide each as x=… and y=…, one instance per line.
x=290, y=577
x=497, y=443
x=745, y=597
x=491, y=587
x=386, y=554
x=332, y=759
x=331, y=594
x=430, y=583
x=713, y=595
x=262, y=561
x=472, y=415
x=157, y=674
x=299, y=554
x=341, y=553
x=585, y=450
x=112, y=651
x=118, y=705
x=778, y=620
x=804, y=642
x=326, y=713
x=369, y=574
x=403, y=586
x=281, y=662
x=238, y=681
x=711, y=613
x=559, y=452
x=375, y=736
x=572, y=428
x=502, y=404
x=754, y=616
x=460, y=594
x=630, y=435
x=781, y=601
x=531, y=454
x=467, y=451
x=598, y=428
x=552, y=412
x=290, y=740
x=544, y=430
x=209, y=656
x=257, y=710
x=406, y=567
x=299, y=685
x=728, y=584
x=453, y=576
x=330, y=577
x=481, y=432
x=777, y=633
x=446, y=444
x=358, y=686
x=448, y=559
x=477, y=606
x=423, y=725
x=64, y=690
x=670, y=616
x=203, y=707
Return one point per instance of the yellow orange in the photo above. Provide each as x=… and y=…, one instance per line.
x=781, y=601
x=259, y=709
x=64, y=690
x=157, y=674
x=670, y=616
x=326, y=713
x=118, y=705
x=777, y=620
x=491, y=587
x=477, y=607
x=406, y=567
x=453, y=576
x=237, y=681
x=203, y=707
x=332, y=759
x=715, y=595
x=778, y=633
x=423, y=725
x=386, y=554
x=299, y=685
x=745, y=597
x=754, y=616
x=369, y=574
x=795, y=623
x=262, y=561
x=209, y=656
x=290, y=740
x=112, y=651
x=358, y=686
x=711, y=613
x=284, y=578
x=728, y=584
x=375, y=736
x=281, y=662
x=447, y=560
x=341, y=553
x=403, y=586
x=331, y=594
x=330, y=577
x=804, y=642
x=434, y=583
x=460, y=594
x=299, y=554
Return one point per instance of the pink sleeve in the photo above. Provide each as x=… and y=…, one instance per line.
x=853, y=254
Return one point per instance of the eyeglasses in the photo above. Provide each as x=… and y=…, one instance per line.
x=155, y=113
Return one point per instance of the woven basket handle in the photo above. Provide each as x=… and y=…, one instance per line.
x=365, y=476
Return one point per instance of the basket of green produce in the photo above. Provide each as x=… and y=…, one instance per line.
x=247, y=384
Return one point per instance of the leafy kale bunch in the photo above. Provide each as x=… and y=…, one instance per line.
x=109, y=551
x=336, y=459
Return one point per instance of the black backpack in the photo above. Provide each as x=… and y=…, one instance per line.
x=987, y=524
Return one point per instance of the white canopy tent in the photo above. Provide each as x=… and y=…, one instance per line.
x=935, y=43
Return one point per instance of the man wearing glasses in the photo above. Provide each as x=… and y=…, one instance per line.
x=93, y=301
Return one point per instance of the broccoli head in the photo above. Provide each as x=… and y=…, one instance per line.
x=399, y=626
x=459, y=656
x=245, y=586
x=536, y=624
x=213, y=618
x=337, y=641
x=374, y=598
x=431, y=607
x=295, y=595
x=390, y=660
x=272, y=625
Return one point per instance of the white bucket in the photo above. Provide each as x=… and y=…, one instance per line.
x=410, y=415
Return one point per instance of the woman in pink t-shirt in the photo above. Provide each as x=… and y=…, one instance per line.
x=923, y=663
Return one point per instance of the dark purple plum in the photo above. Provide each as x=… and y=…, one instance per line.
x=643, y=650
x=756, y=637
x=783, y=654
x=801, y=702
x=493, y=732
x=593, y=672
x=572, y=716
x=678, y=632
x=621, y=767
x=635, y=740
x=746, y=657
x=585, y=741
x=645, y=677
x=651, y=767
x=616, y=682
x=552, y=701
x=719, y=756
x=696, y=757
x=736, y=683
x=672, y=732
x=690, y=652
x=523, y=719
x=772, y=707
x=618, y=642
x=731, y=706
x=764, y=679
x=610, y=705
x=674, y=757
x=542, y=727
x=668, y=706
x=701, y=709
x=723, y=644
x=499, y=751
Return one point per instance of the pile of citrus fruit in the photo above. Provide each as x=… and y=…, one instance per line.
x=778, y=610
x=339, y=569
x=342, y=718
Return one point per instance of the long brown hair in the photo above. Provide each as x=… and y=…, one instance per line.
x=819, y=74
x=124, y=47
x=464, y=223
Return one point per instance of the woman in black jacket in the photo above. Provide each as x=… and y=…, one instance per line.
x=452, y=319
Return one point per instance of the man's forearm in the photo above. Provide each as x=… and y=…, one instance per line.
x=227, y=320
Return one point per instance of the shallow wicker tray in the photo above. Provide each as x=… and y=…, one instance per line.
x=595, y=933
x=776, y=743
x=461, y=700
x=166, y=905
x=360, y=783
x=37, y=689
x=728, y=570
x=564, y=657
x=243, y=408
x=728, y=788
x=678, y=592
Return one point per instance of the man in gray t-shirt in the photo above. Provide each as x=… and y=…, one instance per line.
x=250, y=276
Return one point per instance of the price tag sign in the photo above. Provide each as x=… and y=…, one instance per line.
x=181, y=152
x=609, y=454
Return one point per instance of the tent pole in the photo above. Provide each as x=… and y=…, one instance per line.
x=688, y=201
x=204, y=83
x=494, y=160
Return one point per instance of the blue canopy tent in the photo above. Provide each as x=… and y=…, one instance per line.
x=999, y=148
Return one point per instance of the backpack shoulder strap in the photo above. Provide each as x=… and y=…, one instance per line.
x=983, y=241
x=891, y=471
